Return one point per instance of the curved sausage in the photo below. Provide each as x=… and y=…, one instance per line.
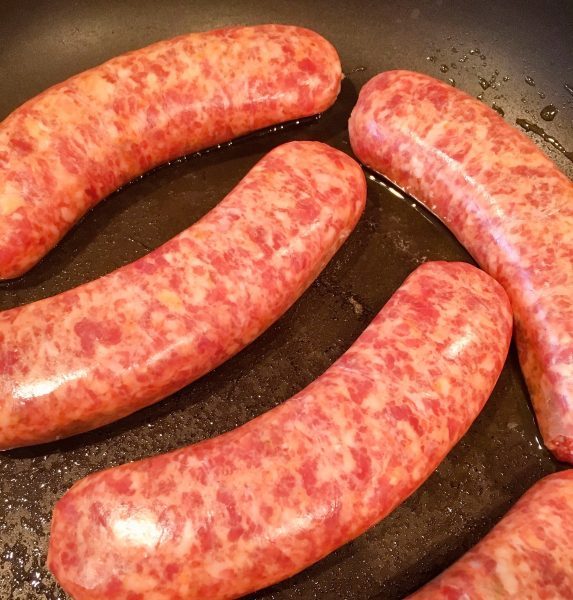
x=101, y=351
x=528, y=555
x=504, y=200
x=246, y=509
x=71, y=146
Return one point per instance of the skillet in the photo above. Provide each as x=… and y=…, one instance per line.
x=43, y=42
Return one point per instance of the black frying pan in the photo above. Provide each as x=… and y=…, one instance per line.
x=43, y=42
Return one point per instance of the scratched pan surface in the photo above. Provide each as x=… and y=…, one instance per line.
x=44, y=42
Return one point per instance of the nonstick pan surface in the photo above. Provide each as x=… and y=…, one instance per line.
x=43, y=42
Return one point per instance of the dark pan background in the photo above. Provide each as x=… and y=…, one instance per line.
x=44, y=42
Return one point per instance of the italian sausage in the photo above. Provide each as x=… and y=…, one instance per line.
x=504, y=200
x=71, y=146
x=93, y=354
x=528, y=555
x=241, y=511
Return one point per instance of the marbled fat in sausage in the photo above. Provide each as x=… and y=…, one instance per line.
x=528, y=555
x=66, y=149
x=93, y=354
x=504, y=200
x=241, y=511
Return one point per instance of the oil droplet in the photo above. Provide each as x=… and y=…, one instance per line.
x=444, y=68
x=484, y=83
x=358, y=70
x=498, y=109
x=475, y=51
x=463, y=58
x=493, y=82
x=482, y=56
x=452, y=81
x=506, y=78
x=530, y=81
x=480, y=96
x=431, y=58
x=568, y=87
x=535, y=129
x=541, y=95
x=549, y=112
x=453, y=65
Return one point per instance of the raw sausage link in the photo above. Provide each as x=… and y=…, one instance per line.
x=527, y=556
x=93, y=354
x=505, y=201
x=241, y=511
x=66, y=149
